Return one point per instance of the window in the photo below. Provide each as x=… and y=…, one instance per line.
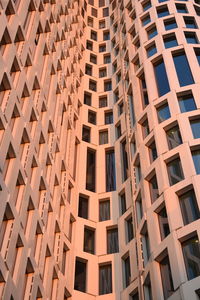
x=191, y=254
x=189, y=207
x=135, y=295
x=146, y=5
x=120, y=108
x=87, y=98
x=170, y=41
x=93, y=58
x=105, y=12
x=94, y=12
x=104, y=210
x=146, y=20
x=127, y=271
x=161, y=78
x=145, y=244
x=163, y=223
x=92, y=85
x=153, y=186
x=145, y=128
x=138, y=173
x=103, y=137
x=147, y=288
x=129, y=229
x=124, y=160
x=166, y=275
x=93, y=35
x=90, y=22
x=89, y=240
x=108, y=117
x=197, y=53
x=139, y=208
x=174, y=137
x=190, y=22
x=195, y=126
x=163, y=112
x=89, y=45
x=102, y=72
x=83, y=207
x=102, y=101
x=151, y=32
x=107, y=86
x=118, y=131
x=88, y=69
x=152, y=151
x=86, y=134
x=170, y=24
x=191, y=37
x=101, y=3
x=106, y=35
x=91, y=2
x=80, y=275
x=110, y=171
x=107, y=59
x=162, y=11
x=181, y=8
x=175, y=171
x=186, y=102
x=91, y=170
x=151, y=50
x=105, y=279
x=143, y=88
x=196, y=160
x=92, y=117
x=102, y=48
x=122, y=203
x=112, y=241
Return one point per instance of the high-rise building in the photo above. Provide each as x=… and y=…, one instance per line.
x=99, y=149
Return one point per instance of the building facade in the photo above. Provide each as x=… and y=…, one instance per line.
x=99, y=149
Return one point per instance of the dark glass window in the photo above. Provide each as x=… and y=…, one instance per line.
x=170, y=41
x=124, y=161
x=163, y=223
x=122, y=198
x=139, y=208
x=87, y=99
x=91, y=170
x=106, y=35
x=195, y=126
x=94, y=12
x=109, y=117
x=92, y=117
x=181, y=8
x=102, y=101
x=107, y=86
x=83, y=207
x=80, y=276
x=153, y=186
x=147, y=288
x=145, y=128
x=118, y=131
x=186, y=103
x=110, y=171
x=89, y=235
x=143, y=88
x=104, y=210
x=174, y=137
x=86, y=134
x=152, y=32
x=146, y=20
x=153, y=151
x=190, y=22
x=129, y=229
x=105, y=12
x=93, y=58
x=196, y=160
x=127, y=271
x=189, y=207
x=88, y=70
x=107, y=59
x=103, y=137
x=112, y=241
x=162, y=11
x=166, y=275
x=191, y=254
x=183, y=69
x=102, y=48
x=175, y=171
x=135, y=296
x=92, y=85
x=89, y=45
x=151, y=50
x=146, y=5
x=105, y=279
x=197, y=53
x=170, y=24
x=191, y=37
x=145, y=246
x=102, y=72
x=163, y=113
x=93, y=35
x=161, y=78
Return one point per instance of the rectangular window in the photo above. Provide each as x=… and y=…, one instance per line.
x=145, y=245
x=181, y=8
x=190, y=22
x=166, y=275
x=105, y=279
x=153, y=187
x=191, y=254
x=89, y=236
x=175, y=171
x=147, y=288
x=195, y=126
x=87, y=99
x=197, y=53
x=191, y=37
x=129, y=229
x=103, y=102
x=161, y=78
x=152, y=32
x=110, y=171
x=104, y=210
x=91, y=117
x=112, y=241
x=124, y=159
x=163, y=112
x=152, y=151
x=92, y=85
x=174, y=137
x=146, y=20
x=106, y=35
x=183, y=69
x=127, y=271
x=122, y=203
x=163, y=223
x=145, y=128
x=186, y=102
x=83, y=207
x=170, y=24
x=170, y=41
x=103, y=137
x=143, y=88
x=162, y=11
x=91, y=170
x=105, y=12
x=196, y=160
x=107, y=86
x=118, y=131
x=109, y=117
x=189, y=207
x=80, y=276
x=151, y=50
x=139, y=208
x=86, y=134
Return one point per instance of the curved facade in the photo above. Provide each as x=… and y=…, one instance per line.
x=100, y=152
